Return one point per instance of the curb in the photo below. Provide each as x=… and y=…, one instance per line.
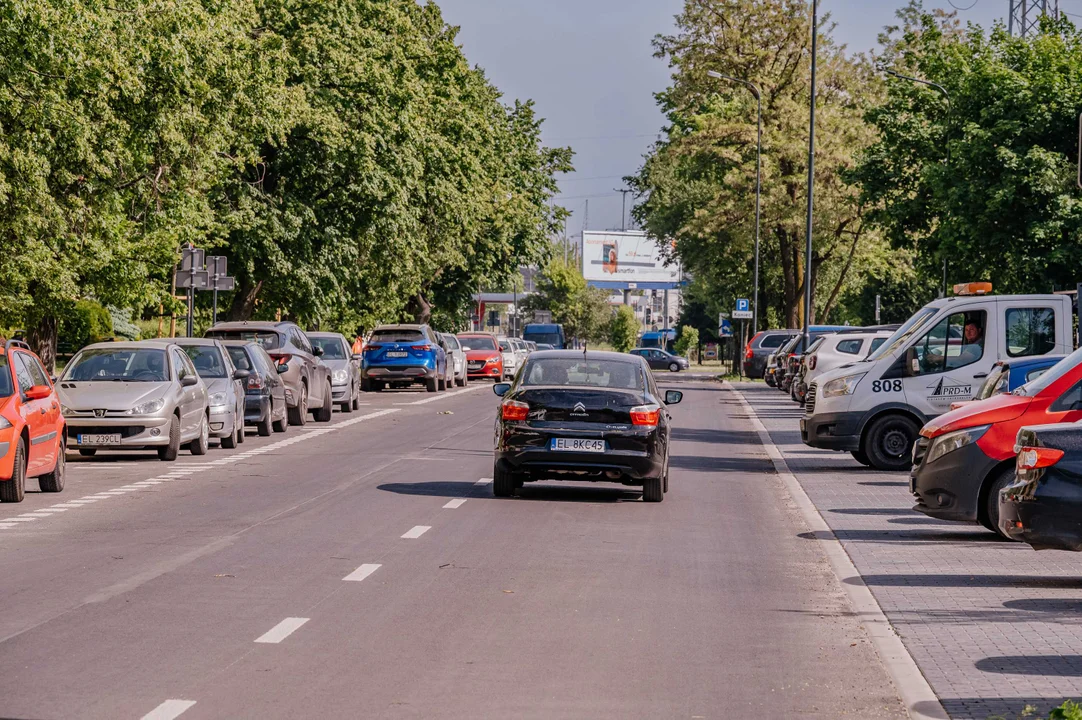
x=920, y=700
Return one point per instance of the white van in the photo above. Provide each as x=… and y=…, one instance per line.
x=875, y=408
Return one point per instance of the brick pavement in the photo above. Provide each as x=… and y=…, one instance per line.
x=994, y=626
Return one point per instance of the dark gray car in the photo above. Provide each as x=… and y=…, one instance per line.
x=307, y=380
x=659, y=359
x=760, y=347
x=345, y=368
x=265, y=395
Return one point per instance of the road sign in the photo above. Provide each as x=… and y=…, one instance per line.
x=710, y=351
x=200, y=279
x=223, y=283
x=216, y=265
x=192, y=257
x=725, y=328
x=742, y=315
x=743, y=304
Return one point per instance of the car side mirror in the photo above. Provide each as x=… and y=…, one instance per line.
x=317, y=351
x=241, y=374
x=356, y=357
x=466, y=349
x=38, y=392
x=912, y=363
x=501, y=389
x=189, y=380
x=283, y=368
x=673, y=397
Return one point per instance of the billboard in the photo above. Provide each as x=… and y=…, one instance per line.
x=611, y=259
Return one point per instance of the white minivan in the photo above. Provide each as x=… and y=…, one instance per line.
x=875, y=408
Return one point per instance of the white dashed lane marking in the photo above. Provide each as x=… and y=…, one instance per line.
x=416, y=531
x=169, y=710
x=362, y=572
x=281, y=631
x=483, y=481
x=456, y=503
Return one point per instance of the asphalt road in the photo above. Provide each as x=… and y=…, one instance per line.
x=362, y=569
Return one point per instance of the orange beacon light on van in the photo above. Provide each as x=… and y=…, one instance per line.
x=973, y=288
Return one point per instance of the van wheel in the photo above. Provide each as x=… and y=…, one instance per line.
x=989, y=518
x=12, y=490
x=54, y=481
x=888, y=443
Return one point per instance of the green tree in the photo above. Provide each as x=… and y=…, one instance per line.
x=686, y=341
x=584, y=311
x=696, y=186
x=624, y=329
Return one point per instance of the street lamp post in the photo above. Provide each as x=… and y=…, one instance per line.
x=758, y=183
x=950, y=116
x=811, y=176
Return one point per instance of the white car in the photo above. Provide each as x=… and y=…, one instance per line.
x=832, y=351
x=457, y=357
x=510, y=357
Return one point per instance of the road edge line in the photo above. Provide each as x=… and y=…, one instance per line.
x=912, y=685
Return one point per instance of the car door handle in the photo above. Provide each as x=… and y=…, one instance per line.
x=978, y=376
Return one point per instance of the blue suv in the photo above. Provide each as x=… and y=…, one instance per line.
x=401, y=355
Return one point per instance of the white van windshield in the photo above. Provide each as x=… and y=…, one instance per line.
x=902, y=334
x=1064, y=366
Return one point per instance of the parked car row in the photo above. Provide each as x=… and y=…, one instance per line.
x=975, y=395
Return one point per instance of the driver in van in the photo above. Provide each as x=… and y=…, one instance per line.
x=972, y=346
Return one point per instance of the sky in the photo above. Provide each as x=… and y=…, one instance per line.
x=588, y=65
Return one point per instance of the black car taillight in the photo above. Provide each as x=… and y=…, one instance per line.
x=256, y=382
x=514, y=410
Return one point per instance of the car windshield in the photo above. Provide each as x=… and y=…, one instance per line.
x=7, y=387
x=583, y=372
x=478, y=342
x=207, y=360
x=240, y=358
x=390, y=335
x=543, y=338
x=118, y=364
x=267, y=338
x=1064, y=366
x=774, y=341
x=333, y=348
x=505, y=346
x=451, y=342
x=996, y=383
x=902, y=334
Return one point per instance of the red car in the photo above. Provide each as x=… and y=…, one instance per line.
x=483, y=356
x=963, y=458
x=31, y=424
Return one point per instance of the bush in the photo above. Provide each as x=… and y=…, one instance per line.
x=688, y=339
x=1067, y=711
x=624, y=329
x=86, y=322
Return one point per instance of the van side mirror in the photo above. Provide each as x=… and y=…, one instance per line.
x=912, y=363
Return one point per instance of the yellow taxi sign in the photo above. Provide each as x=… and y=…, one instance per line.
x=973, y=288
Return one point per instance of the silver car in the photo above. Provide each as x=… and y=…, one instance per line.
x=134, y=395
x=225, y=387
x=345, y=368
x=454, y=351
x=307, y=380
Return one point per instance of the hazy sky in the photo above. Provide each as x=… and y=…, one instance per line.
x=589, y=66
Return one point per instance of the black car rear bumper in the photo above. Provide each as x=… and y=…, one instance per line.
x=949, y=488
x=1048, y=517
x=256, y=408
x=630, y=457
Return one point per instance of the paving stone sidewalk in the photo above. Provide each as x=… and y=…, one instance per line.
x=994, y=626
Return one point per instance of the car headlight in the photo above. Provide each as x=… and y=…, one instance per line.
x=65, y=410
x=338, y=377
x=842, y=386
x=216, y=399
x=4, y=423
x=954, y=441
x=147, y=408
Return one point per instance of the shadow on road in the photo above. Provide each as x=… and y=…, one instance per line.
x=578, y=493
x=435, y=489
x=1040, y=665
x=955, y=581
x=705, y=463
x=702, y=435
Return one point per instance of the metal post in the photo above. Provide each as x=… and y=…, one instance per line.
x=877, y=306
x=191, y=293
x=666, y=310
x=758, y=184
x=811, y=176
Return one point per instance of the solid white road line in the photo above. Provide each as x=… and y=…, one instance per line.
x=36, y=514
x=456, y=503
x=281, y=631
x=918, y=696
x=169, y=710
x=416, y=531
x=483, y=481
x=66, y=506
x=53, y=510
x=20, y=519
x=362, y=572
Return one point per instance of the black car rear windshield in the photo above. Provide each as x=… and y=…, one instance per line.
x=267, y=338
x=583, y=372
x=773, y=341
x=398, y=336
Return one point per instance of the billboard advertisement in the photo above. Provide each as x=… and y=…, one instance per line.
x=610, y=258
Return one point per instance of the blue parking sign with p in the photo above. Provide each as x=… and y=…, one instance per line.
x=743, y=304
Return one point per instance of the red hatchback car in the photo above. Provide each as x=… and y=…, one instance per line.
x=483, y=356
x=963, y=458
x=31, y=425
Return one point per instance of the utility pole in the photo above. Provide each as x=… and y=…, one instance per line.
x=1025, y=16
x=811, y=176
x=623, y=208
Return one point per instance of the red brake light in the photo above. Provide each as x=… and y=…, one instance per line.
x=1031, y=458
x=280, y=358
x=514, y=410
x=812, y=361
x=372, y=348
x=421, y=348
x=645, y=415
x=748, y=354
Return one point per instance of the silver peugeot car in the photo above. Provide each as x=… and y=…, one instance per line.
x=132, y=396
x=345, y=368
x=225, y=386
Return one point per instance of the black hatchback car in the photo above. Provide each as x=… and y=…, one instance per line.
x=577, y=415
x=1043, y=505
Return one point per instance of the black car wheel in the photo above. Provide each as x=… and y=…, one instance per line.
x=503, y=482
x=653, y=489
x=12, y=489
x=860, y=457
x=674, y=367
x=230, y=441
x=888, y=443
x=432, y=384
x=54, y=481
x=169, y=452
x=989, y=518
x=324, y=413
x=264, y=426
x=299, y=415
